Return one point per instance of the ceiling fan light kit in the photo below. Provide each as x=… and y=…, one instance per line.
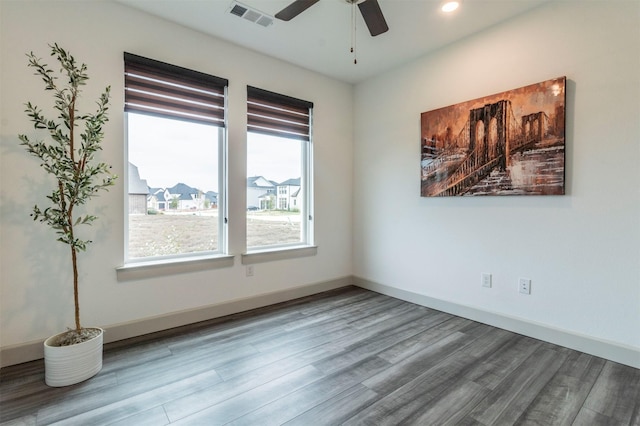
x=449, y=6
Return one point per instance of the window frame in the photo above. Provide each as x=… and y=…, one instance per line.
x=150, y=266
x=306, y=245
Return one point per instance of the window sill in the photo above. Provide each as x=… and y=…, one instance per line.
x=164, y=267
x=269, y=255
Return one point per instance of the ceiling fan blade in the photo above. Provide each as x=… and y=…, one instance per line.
x=373, y=17
x=294, y=9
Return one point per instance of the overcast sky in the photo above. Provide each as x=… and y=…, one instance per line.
x=168, y=152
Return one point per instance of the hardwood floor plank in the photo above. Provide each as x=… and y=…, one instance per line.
x=28, y=420
x=413, y=385
x=134, y=380
x=343, y=297
x=559, y=402
x=151, y=417
x=433, y=332
x=416, y=365
x=444, y=404
x=616, y=393
x=388, y=334
x=296, y=403
x=133, y=404
x=353, y=312
x=22, y=373
x=498, y=358
x=475, y=328
x=287, y=355
x=124, y=400
x=182, y=407
x=426, y=382
x=218, y=353
x=397, y=317
x=587, y=417
x=468, y=421
x=242, y=330
x=140, y=354
x=337, y=409
x=37, y=396
x=302, y=338
x=506, y=403
x=322, y=336
x=389, y=312
x=450, y=407
x=19, y=388
x=140, y=378
x=230, y=409
x=306, y=337
x=423, y=377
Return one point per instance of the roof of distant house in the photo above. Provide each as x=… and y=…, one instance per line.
x=182, y=188
x=211, y=196
x=259, y=182
x=186, y=193
x=291, y=182
x=136, y=185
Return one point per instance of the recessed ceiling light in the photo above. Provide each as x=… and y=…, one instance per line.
x=450, y=6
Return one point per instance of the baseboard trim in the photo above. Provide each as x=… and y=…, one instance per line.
x=30, y=351
x=605, y=349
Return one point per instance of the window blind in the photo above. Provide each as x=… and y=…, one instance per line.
x=158, y=88
x=278, y=115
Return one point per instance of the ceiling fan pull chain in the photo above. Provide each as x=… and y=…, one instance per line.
x=351, y=28
x=369, y=9
x=354, y=37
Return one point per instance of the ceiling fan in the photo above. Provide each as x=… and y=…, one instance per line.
x=370, y=10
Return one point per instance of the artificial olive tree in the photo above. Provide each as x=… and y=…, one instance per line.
x=68, y=154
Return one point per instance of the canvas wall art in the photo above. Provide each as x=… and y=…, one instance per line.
x=510, y=143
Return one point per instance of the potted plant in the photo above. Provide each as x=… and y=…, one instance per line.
x=68, y=156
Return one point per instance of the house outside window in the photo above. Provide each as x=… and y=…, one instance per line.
x=288, y=192
x=259, y=192
x=279, y=159
x=176, y=150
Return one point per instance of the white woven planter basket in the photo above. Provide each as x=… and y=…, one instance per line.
x=68, y=365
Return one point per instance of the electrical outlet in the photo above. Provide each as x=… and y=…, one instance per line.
x=249, y=270
x=486, y=280
x=524, y=284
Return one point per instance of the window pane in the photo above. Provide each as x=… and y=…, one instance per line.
x=173, y=186
x=275, y=196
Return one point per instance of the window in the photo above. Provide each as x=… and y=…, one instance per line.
x=176, y=150
x=279, y=170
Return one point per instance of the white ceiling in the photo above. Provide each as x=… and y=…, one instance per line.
x=319, y=39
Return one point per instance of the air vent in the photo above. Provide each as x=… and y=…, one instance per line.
x=250, y=14
x=238, y=10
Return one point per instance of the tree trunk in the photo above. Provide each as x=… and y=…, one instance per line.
x=76, y=301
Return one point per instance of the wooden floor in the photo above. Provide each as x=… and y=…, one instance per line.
x=348, y=356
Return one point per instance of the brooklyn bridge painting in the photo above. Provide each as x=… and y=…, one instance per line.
x=511, y=143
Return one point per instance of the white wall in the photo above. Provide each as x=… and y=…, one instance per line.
x=35, y=287
x=581, y=250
